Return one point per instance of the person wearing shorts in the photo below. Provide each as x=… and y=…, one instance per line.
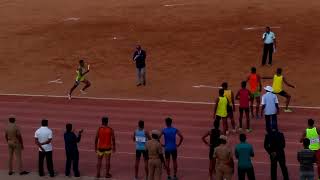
x=171, y=146
x=105, y=144
x=313, y=134
x=255, y=88
x=140, y=137
x=81, y=72
x=278, y=80
x=220, y=111
x=243, y=96
x=214, y=142
x=231, y=105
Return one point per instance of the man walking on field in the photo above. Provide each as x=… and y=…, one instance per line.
x=139, y=57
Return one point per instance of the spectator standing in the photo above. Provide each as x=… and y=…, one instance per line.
x=224, y=160
x=221, y=110
x=306, y=158
x=244, y=153
x=269, y=41
x=243, y=96
x=139, y=57
x=140, y=137
x=105, y=144
x=170, y=133
x=15, y=145
x=72, y=153
x=312, y=133
x=270, y=107
x=214, y=142
x=274, y=144
x=156, y=158
x=43, y=137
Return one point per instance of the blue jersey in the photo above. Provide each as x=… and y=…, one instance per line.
x=141, y=139
x=169, y=134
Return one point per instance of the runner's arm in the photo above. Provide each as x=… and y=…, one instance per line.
x=19, y=137
x=181, y=138
x=260, y=83
x=134, y=137
x=304, y=136
x=96, y=141
x=287, y=83
x=204, y=138
x=232, y=101
x=267, y=77
x=237, y=96
x=113, y=140
x=215, y=108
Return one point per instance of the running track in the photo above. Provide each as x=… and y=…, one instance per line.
x=192, y=119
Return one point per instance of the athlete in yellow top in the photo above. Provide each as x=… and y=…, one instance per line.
x=81, y=72
x=220, y=110
x=231, y=105
x=278, y=80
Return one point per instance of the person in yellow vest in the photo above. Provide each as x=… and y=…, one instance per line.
x=231, y=105
x=278, y=80
x=312, y=133
x=81, y=72
x=220, y=110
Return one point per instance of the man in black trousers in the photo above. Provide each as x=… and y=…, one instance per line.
x=274, y=144
x=269, y=40
x=139, y=57
x=72, y=153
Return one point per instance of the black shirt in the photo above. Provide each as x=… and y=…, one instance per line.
x=71, y=140
x=140, y=58
x=274, y=142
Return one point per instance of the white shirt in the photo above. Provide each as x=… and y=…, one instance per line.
x=44, y=134
x=268, y=37
x=269, y=100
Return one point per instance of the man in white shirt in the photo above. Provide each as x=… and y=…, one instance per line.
x=270, y=107
x=43, y=138
x=269, y=40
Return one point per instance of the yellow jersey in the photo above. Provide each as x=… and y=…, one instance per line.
x=277, y=83
x=222, y=107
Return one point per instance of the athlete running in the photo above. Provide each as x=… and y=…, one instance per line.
x=81, y=72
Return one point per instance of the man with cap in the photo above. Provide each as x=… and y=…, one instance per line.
x=270, y=108
x=156, y=159
x=15, y=145
x=224, y=160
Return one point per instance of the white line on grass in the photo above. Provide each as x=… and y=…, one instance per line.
x=259, y=27
x=205, y=86
x=172, y=5
x=136, y=100
x=58, y=81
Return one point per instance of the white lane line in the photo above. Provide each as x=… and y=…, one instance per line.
x=72, y=19
x=138, y=100
x=57, y=81
x=172, y=5
x=205, y=86
x=259, y=27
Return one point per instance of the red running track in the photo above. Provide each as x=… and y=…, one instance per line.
x=192, y=119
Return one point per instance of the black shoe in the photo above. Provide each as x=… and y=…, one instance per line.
x=24, y=173
x=11, y=173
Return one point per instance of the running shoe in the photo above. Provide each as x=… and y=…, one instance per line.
x=240, y=129
x=288, y=110
x=69, y=96
x=83, y=92
x=24, y=173
x=249, y=130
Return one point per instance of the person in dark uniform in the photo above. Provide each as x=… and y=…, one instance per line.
x=72, y=153
x=214, y=134
x=274, y=144
x=139, y=57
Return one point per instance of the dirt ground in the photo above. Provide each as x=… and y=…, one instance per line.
x=193, y=43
